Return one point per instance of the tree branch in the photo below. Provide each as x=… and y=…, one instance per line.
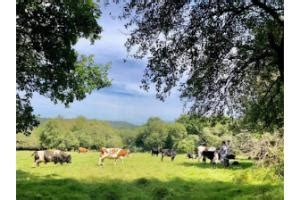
x=269, y=10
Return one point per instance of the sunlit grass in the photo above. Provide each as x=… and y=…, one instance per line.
x=142, y=176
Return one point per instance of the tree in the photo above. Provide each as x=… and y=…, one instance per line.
x=72, y=133
x=188, y=144
x=176, y=132
x=223, y=55
x=46, y=60
x=193, y=124
x=153, y=134
x=52, y=135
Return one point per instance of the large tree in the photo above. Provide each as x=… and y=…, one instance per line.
x=46, y=60
x=225, y=56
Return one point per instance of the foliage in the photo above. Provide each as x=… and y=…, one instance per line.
x=70, y=134
x=29, y=142
x=128, y=135
x=269, y=151
x=193, y=124
x=140, y=177
x=121, y=125
x=211, y=130
x=176, y=133
x=159, y=134
x=246, y=142
x=188, y=144
x=153, y=134
x=223, y=55
x=259, y=113
x=46, y=60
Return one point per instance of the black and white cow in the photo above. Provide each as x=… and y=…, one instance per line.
x=56, y=156
x=213, y=156
x=168, y=152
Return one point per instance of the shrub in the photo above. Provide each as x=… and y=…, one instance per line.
x=269, y=151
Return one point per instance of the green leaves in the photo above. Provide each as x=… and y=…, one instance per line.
x=72, y=133
x=214, y=51
x=47, y=63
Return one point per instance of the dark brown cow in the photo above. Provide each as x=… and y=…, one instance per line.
x=112, y=153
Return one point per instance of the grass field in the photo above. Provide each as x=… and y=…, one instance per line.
x=142, y=176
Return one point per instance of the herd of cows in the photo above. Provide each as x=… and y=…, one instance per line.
x=201, y=152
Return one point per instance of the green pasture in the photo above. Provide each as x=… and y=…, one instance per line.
x=142, y=176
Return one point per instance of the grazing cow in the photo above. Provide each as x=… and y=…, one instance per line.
x=168, y=152
x=154, y=151
x=213, y=156
x=82, y=150
x=112, y=153
x=56, y=156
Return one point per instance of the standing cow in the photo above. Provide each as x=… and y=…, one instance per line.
x=112, y=153
x=56, y=156
x=168, y=152
x=204, y=148
x=213, y=156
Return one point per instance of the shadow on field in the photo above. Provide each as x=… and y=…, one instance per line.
x=242, y=165
x=55, y=187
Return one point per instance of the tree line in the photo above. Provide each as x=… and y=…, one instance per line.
x=184, y=134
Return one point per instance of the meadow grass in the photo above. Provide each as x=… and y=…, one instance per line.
x=142, y=176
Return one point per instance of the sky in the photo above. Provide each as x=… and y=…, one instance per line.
x=123, y=100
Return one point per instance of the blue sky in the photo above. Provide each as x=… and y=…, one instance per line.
x=124, y=100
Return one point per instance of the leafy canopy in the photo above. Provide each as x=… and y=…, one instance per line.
x=226, y=57
x=46, y=60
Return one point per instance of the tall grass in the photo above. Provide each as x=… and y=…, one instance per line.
x=142, y=176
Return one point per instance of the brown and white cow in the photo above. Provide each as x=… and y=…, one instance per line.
x=82, y=150
x=112, y=153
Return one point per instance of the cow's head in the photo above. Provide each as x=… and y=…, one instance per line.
x=102, y=150
x=68, y=159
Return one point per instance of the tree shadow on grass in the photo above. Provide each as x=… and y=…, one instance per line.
x=35, y=187
x=208, y=165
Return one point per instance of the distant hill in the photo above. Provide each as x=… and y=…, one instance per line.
x=42, y=120
x=121, y=124
x=114, y=124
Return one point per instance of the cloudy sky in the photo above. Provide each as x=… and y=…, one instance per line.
x=124, y=100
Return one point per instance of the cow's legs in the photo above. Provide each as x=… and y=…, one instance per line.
x=199, y=157
x=162, y=157
x=100, y=161
x=37, y=162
